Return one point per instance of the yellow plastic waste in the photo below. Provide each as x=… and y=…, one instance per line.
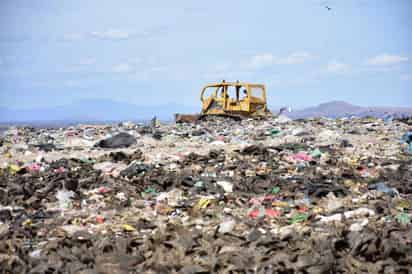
x=14, y=169
x=280, y=204
x=348, y=183
x=27, y=222
x=403, y=204
x=203, y=203
x=128, y=228
x=77, y=221
x=318, y=210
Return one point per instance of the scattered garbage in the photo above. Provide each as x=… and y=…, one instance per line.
x=301, y=156
x=332, y=203
x=227, y=186
x=358, y=226
x=407, y=138
x=298, y=218
x=120, y=140
x=64, y=198
x=216, y=195
x=403, y=218
x=226, y=226
x=382, y=187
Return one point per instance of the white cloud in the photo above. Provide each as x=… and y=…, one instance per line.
x=262, y=60
x=111, y=34
x=295, y=58
x=114, y=34
x=337, y=67
x=122, y=68
x=386, y=59
x=267, y=59
x=87, y=62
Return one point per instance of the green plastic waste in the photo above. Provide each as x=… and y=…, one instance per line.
x=275, y=132
x=403, y=218
x=299, y=218
x=316, y=153
x=87, y=161
x=275, y=190
x=150, y=190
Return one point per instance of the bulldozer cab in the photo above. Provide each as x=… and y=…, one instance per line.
x=236, y=98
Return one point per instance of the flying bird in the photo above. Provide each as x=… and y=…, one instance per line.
x=328, y=7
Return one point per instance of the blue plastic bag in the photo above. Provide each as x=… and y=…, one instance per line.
x=407, y=138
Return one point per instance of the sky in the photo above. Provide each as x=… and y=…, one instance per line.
x=156, y=52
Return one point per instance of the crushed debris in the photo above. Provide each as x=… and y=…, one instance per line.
x=214, y=196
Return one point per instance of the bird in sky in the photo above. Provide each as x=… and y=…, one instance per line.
x=328, y=7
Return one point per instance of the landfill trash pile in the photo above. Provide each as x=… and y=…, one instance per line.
x=216, y=196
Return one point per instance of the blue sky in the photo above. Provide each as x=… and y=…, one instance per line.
x=158, y=52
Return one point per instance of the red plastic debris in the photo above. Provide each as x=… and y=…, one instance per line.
x=268, y=212
x=100, y=219
x=103, y=190
x=60, y=170
x=301, y=156
x=303, y=209
x=272, y=213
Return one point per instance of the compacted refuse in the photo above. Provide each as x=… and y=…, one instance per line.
x=214, y=196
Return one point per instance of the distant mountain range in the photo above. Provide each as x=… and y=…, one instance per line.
x=337, y=109
x=107, y=110
x=93, y=110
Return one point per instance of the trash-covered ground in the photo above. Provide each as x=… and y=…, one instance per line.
x=219, y=196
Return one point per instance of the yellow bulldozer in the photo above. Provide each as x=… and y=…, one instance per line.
x=234, y=98
x=231, y=99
